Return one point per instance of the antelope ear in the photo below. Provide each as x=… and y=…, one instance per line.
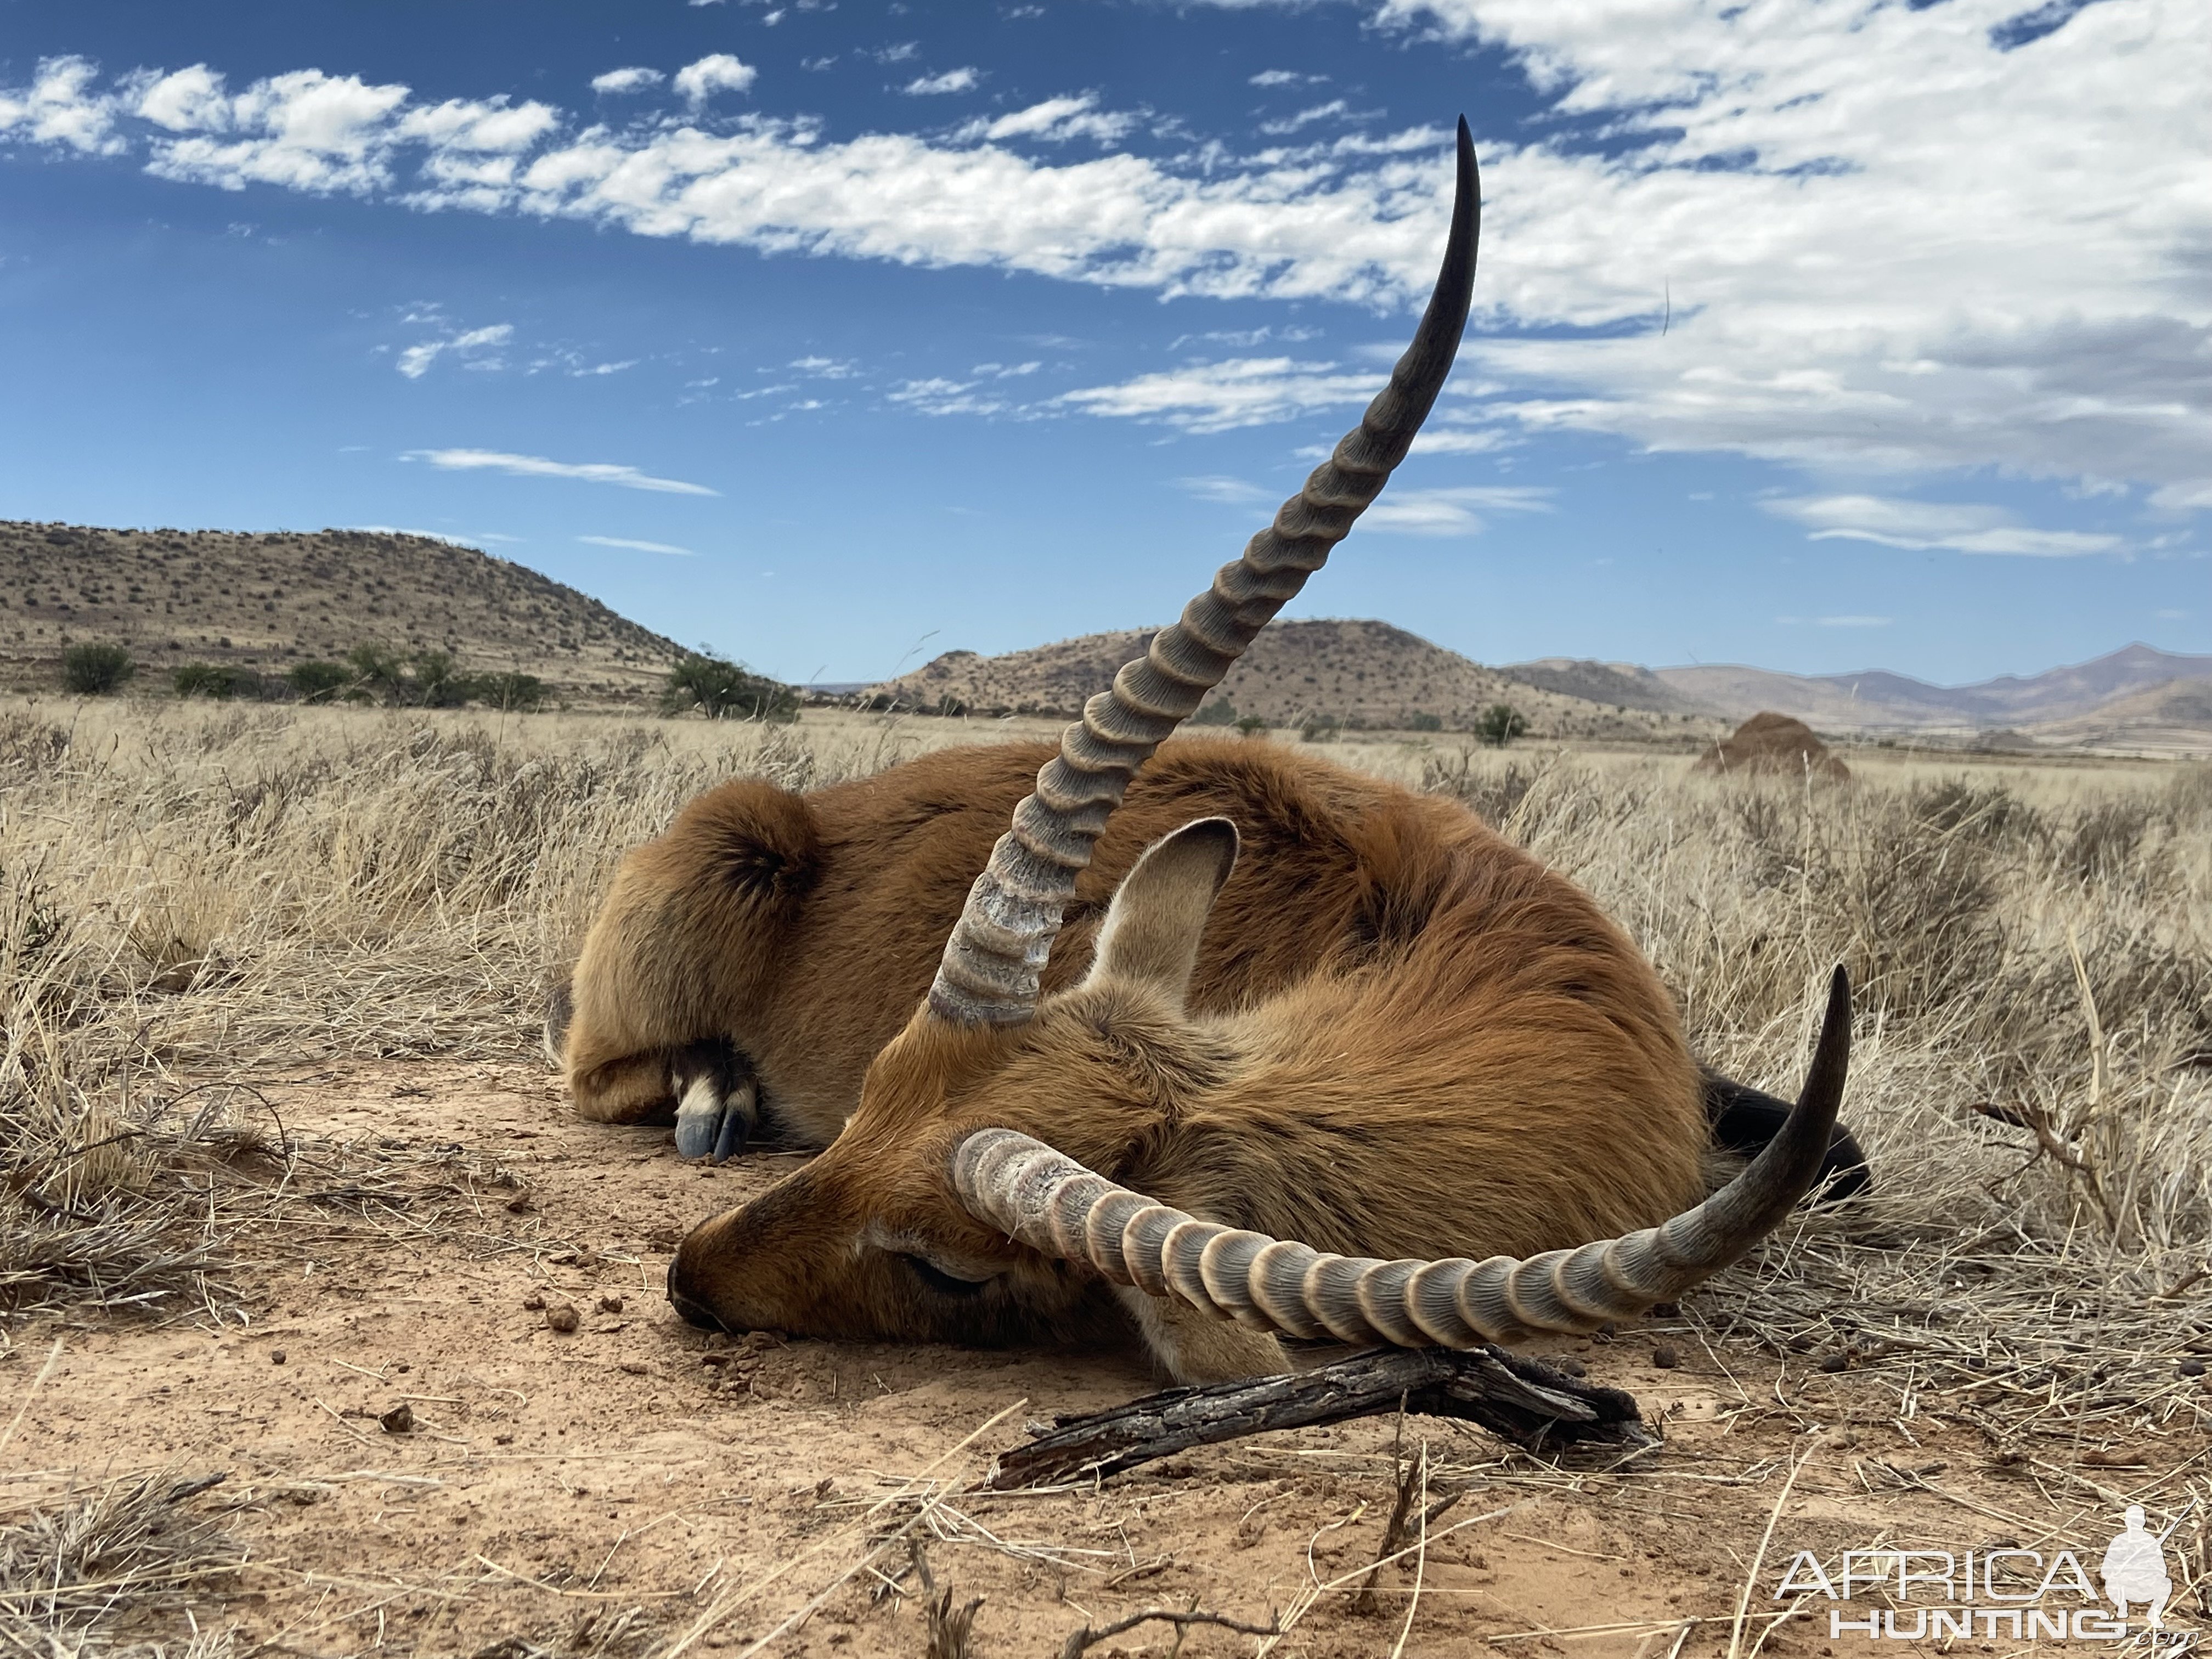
x=1153, y=928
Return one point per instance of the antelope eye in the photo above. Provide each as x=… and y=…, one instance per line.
x=937, y=1280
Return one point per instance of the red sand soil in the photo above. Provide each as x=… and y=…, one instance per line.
x=552, y=1479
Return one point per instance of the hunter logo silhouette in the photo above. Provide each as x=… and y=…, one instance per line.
x=2134, y=1570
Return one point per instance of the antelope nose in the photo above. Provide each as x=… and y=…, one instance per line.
x=693, y=1312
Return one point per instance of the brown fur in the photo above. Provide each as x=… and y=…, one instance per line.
x=804, y=929
x=1403, y=1036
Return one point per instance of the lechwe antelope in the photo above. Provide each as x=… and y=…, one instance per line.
x=1492, y=1068
x=748, y=964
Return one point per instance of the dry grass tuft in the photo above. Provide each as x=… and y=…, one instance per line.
x=94, y=1575
x=2029, y=949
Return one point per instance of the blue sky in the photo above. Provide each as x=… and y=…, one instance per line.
x=1817, y=335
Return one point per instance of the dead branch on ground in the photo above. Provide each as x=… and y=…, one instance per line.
x=1518, y=1400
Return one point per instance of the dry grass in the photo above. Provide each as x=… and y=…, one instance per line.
x=194, y=902
x=76, y=1576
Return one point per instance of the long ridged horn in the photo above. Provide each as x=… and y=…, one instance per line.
x=1051, y=1203
x=989, y=972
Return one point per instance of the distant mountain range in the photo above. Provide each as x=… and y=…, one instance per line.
x=1877, y=700
x=265, y=601
x=1372, y=674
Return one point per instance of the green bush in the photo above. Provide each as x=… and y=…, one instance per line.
x=1320, y=729
x=1219, y=712
x=1421, y=720
x=1251, y=726
x=379, y=675
x=1500, y=723
x=514, y=692
x=723, y=690
x=320, y=682
x=96, y=669
x=218, y=680
x=432, y=682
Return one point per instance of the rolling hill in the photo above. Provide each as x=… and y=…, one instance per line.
x=266, y=601
x=1355, y=674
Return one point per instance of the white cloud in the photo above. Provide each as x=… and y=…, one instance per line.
x=1230, y=492
x=537, y=466
x=1215, y=397
x=637, y=547
x=416, y=360
x=60, y=107
x=953, y=80
x=635, y=79
x=1282, y=78
x=1458, y=440
x=1887, y=241
x=1055, y=119
x=1452, y=511
x=939, y=396
x=1855, y=622
x=1305, y=118
x=717, y=72
x=1959, y=526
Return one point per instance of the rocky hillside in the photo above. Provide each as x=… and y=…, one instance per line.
x=1353, y=674
x=267, y=601
x=1624, y=684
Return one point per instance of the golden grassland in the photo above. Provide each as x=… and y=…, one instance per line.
x=193, y=897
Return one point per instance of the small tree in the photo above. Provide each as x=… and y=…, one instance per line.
x=1421, y=720
x=1251, y=726
x=320, y=682
x=96, y=669
x=377, y=674
x=512, y=692
x=1219, y=712
x=723, y=690
x=1500, y=723
x=432, y=681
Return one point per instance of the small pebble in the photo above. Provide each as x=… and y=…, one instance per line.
x=563, y=1317
x=1571, y=1367
x=2192, y=1368
x=1665, y=1358
x=535, y=1304
x=276, y=1357
x=633, y=1367
x=1838, y=1361
x=611, y=1304
x=400, y=1419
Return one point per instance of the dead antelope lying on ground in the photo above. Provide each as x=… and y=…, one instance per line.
x=1493, y=1068
x=747, y=965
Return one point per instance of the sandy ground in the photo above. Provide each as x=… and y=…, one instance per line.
x=631, y=1485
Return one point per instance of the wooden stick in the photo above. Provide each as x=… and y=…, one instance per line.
x=1518, y=1400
